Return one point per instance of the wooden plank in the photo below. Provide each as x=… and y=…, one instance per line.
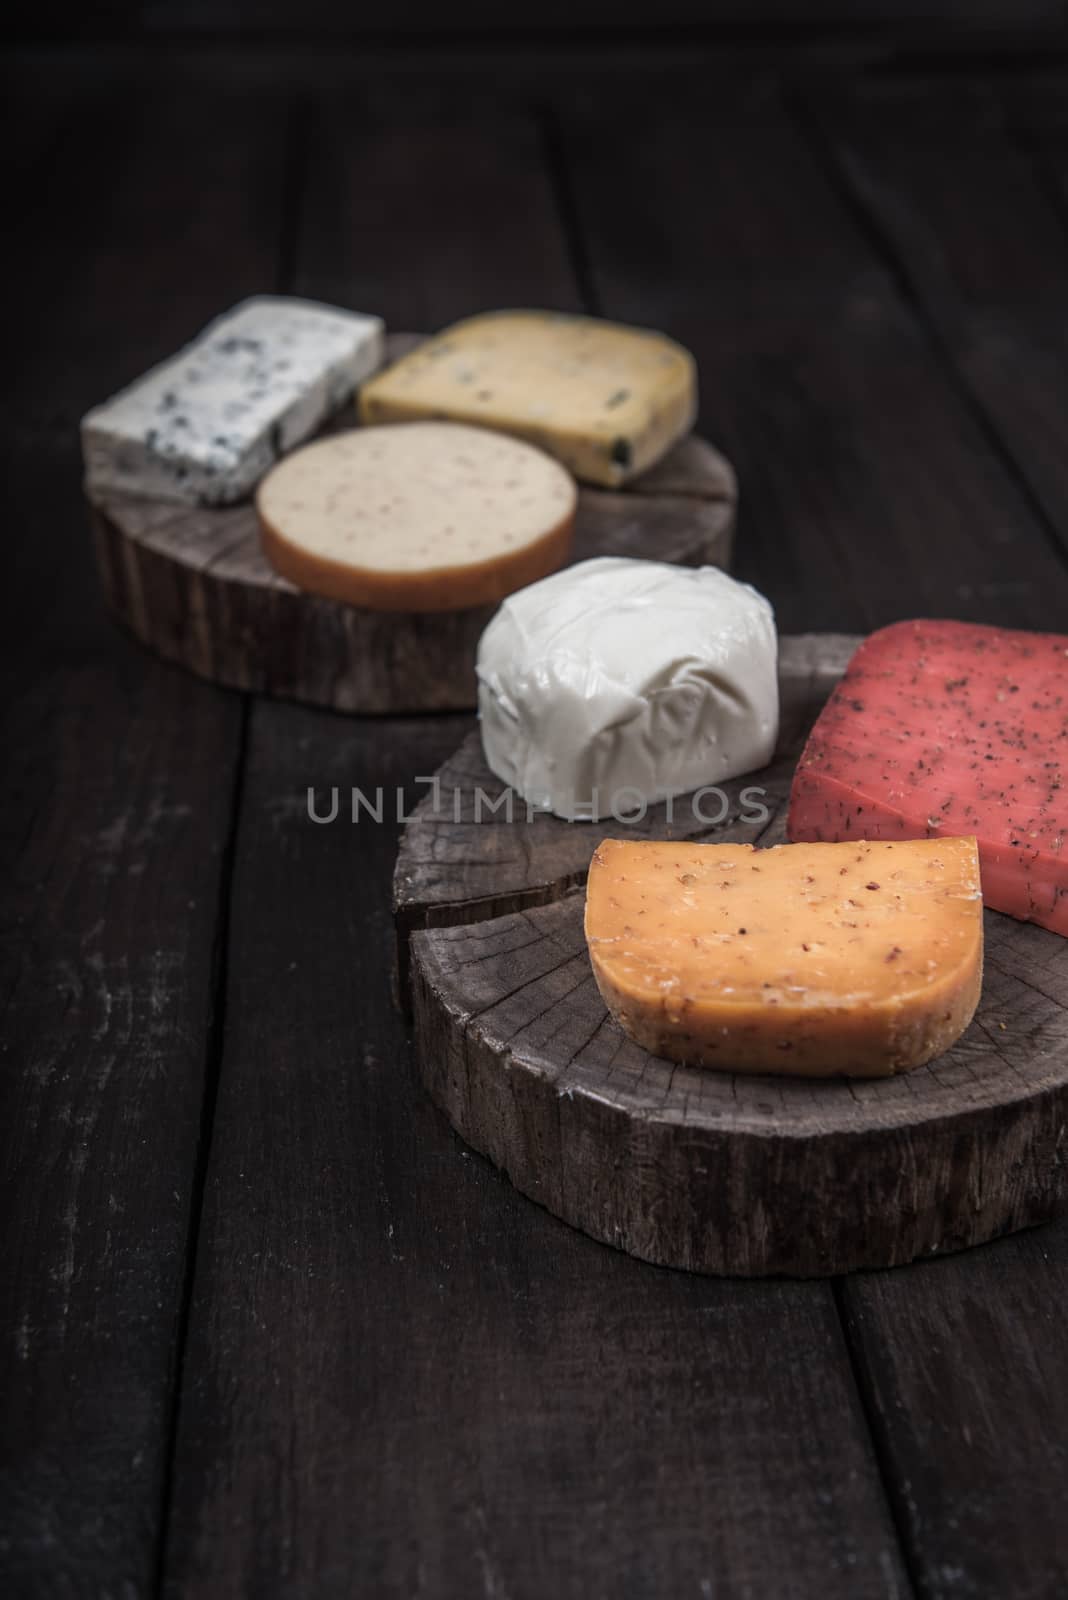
x=115, y=818
x=963, y=1374
x=429, y=1382
x=967, y=211
x=399, y=1373
x=867, y=491
x=460, y=207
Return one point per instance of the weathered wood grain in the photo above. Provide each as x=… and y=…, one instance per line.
x=964, y=1370
x=115, y=818
x=429, y=1382
x=716, y=1172
x=928, y=173
x=195, y=586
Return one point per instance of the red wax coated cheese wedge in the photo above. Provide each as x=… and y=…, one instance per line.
x=948, y=728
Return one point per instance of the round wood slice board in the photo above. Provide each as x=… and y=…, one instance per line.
x=194, y=585
x=713, y=1172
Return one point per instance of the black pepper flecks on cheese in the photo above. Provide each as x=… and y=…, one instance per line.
x=424, y=517
x=608, y=401
x=853, y=958
x=949, y=728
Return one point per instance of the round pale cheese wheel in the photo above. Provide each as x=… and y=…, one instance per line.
x=416, y=516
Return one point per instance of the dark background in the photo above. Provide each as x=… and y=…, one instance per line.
x=267, y=1328
x=953, y=24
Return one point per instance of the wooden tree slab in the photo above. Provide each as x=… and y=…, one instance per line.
x=714, y=1172
x=194, y=585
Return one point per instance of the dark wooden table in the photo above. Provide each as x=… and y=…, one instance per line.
x=268, y=1329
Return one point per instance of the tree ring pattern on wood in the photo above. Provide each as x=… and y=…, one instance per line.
x=713, y=1172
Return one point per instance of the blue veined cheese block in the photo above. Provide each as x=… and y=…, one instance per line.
x=204, y=427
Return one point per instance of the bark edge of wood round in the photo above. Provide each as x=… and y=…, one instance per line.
x=708, y=1171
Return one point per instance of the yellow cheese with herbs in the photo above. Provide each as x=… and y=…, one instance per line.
x=857, y=959
x=608, y=401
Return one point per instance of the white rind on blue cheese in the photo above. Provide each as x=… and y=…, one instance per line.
x=616, y=682
x=205, y=426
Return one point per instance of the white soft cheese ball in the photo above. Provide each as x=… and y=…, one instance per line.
x=618, y=680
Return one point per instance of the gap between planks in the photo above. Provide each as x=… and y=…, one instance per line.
x=220, y=970
x=869, y=225
x=294, y=183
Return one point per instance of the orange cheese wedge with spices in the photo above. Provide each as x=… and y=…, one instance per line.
x=858, y=959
